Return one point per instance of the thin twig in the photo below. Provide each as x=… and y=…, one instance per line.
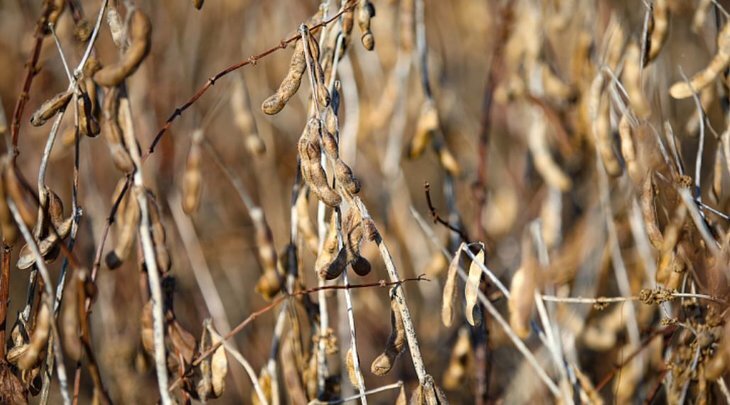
x=239, y=357
x=362, y=395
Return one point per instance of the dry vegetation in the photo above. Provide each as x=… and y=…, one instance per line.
x=271, y=201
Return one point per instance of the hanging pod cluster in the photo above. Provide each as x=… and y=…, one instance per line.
x=471, y=290
x=333, y=260
x=49, y=231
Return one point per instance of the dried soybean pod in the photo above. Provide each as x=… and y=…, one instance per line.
x=553, y=85
x=50, y=107
x=522, y=293
x=336, y=267
x=304, y=222
x=330, y=146
x=627, y=149
x=395, y=344
x=203, y=388
x=544, y=162
x=344, y=176
x=313, y=172
x=329, y=250
x=127, y=220
x=290, y=84
x=657, y=34
x=113, y=132
x=600, y=114
x=471, y=290
x=322, y=94
x=218, y=367
x=449, y=295
x=716, y=190
x=448, y=161
x=366, y=11
x=351, y=372
x=159, y=236
x=353, y=228
x=140, y=35
x=198, y=4
x=57, y=7
x=38, y=340
x=428, y=122
x=243, y=117
x=706, y=76
x=269, y=283
x=193, y=178
x=648, y=212
x=26, y=258
x=461, y=357
x=632, y=81
x=88, y=125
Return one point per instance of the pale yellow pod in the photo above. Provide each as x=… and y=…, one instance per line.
x=448, y=162
x=553, y=86
x=627, y=149
x=243, y=117
x=38, y=340
x=544, y=162
x=657, y=34
x=428, y=122
x=471, y=290
x=192, y=183
x=351, y=372
x=218, y=368
x=707, y=75
x=604, y=136
x=522, y=298
x=449, y=294
x=632, y=81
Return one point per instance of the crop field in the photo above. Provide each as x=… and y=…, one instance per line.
x=364, y=201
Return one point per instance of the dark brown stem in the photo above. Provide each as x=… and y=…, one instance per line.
x=31, y=68
x=437, y=219
x=4, y=294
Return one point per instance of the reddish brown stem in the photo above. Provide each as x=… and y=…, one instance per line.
x=4, y=294
x=31, y=68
